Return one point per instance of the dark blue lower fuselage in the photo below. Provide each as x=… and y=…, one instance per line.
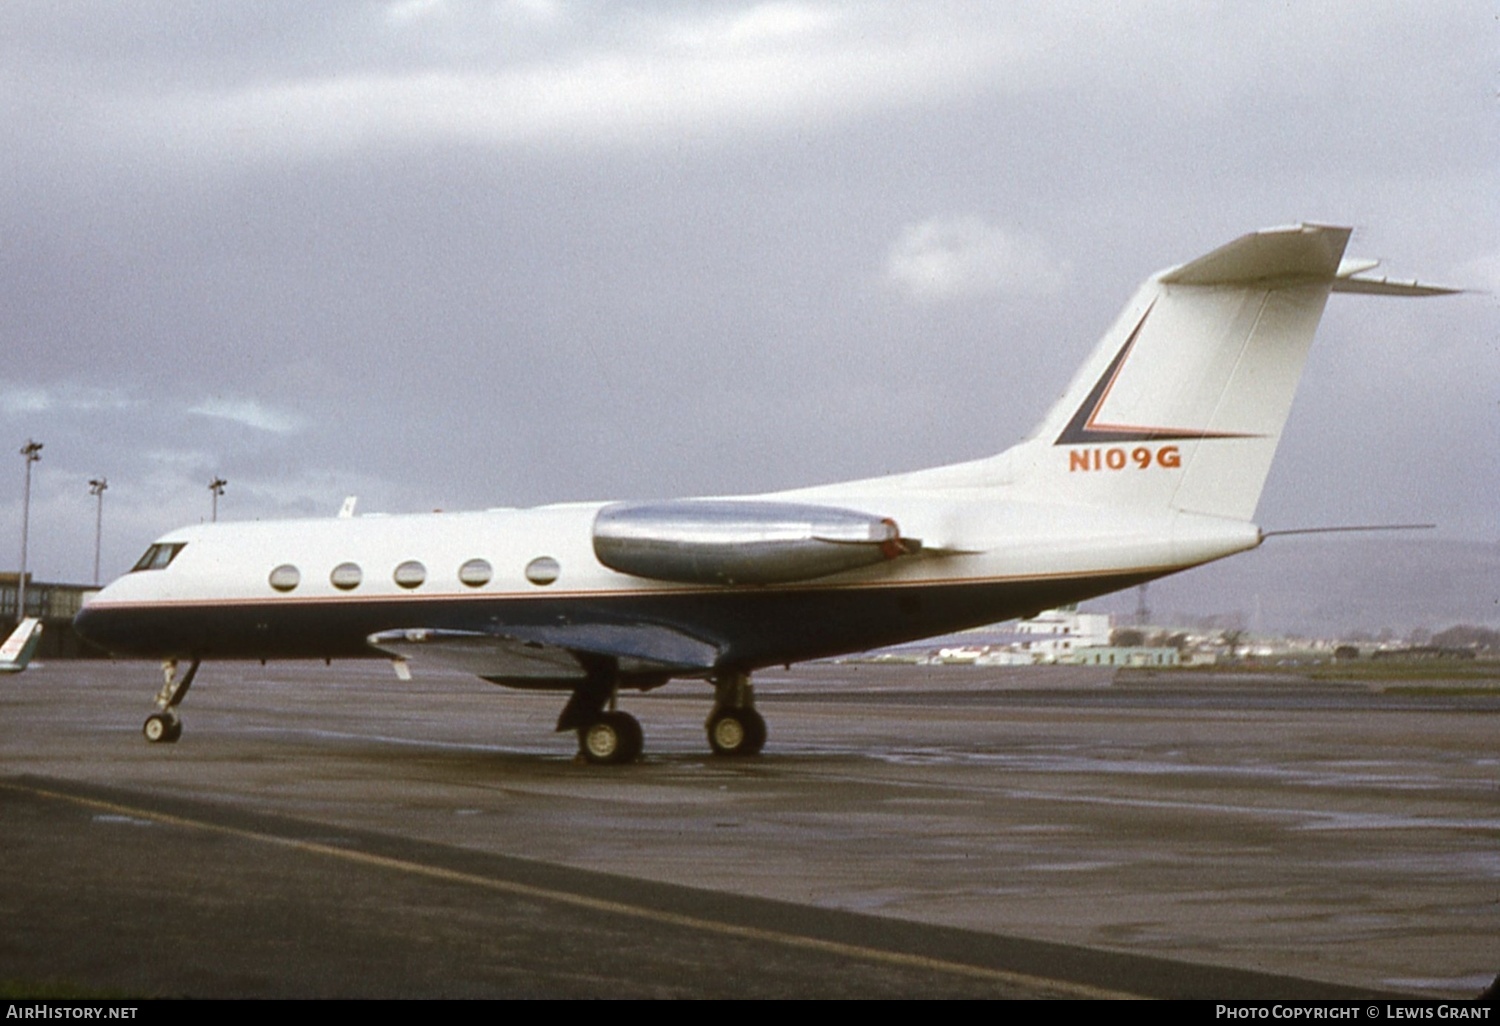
x=751, y=627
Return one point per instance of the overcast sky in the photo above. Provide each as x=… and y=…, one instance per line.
x=450, y=255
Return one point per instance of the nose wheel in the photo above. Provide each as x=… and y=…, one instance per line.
x=162, y=728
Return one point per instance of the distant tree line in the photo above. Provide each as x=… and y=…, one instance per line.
x=1463, y=636
x=1129, y=637
x=1481, y=639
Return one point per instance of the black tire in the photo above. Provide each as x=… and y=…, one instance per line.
x=162, y=728
x=736, y=732
x=613, y=739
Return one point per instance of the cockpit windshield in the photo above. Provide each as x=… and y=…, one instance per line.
x=158, y=556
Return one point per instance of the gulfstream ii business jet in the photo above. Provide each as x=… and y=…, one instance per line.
x=1151, y=462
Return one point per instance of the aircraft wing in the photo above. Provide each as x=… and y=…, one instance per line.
x=551, y=653
x=721, y=542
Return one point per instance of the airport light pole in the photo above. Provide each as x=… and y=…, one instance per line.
x=32, y=452
x=96, y=488
x=217, y=487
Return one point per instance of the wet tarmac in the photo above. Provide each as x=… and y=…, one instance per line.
x=332, y=831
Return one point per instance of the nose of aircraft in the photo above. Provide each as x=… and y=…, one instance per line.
x=99, y=625
x=87, y=623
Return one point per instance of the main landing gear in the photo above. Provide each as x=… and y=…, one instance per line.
x=609, y=737
x=606, y=736
x=734, y=726
x=164, y=726
x=614, y=737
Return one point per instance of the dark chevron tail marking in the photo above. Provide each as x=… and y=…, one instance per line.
x=1082, y=430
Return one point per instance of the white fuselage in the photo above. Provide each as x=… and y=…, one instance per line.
x=970, y=541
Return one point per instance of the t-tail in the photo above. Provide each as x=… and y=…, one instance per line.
x=1182, y=404
x=21, y=645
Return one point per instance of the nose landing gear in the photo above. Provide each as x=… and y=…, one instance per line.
x=164, y=726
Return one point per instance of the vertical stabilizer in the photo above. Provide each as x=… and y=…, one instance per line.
x=21, y=645
x=1181, y=405
x=1183, y=402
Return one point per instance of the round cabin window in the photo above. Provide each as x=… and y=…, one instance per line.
x=476, y=573
x=285, y=577
x=410, y=574
x=346, y=576
x=542, y=570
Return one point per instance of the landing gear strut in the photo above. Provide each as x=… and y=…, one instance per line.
x=164, y=725
x=606, y=736
x=734, y=727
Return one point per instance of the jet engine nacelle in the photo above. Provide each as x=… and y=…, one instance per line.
x=742, y=542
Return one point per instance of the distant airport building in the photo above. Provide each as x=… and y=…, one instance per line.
x=1062, y=635
x=1116, y=655
x=55, y=604
x=1055, y=636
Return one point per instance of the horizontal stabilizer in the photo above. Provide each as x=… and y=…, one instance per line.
x=1350, y=278
x=1301, y=253
x=1387, y=287
x=1297, y=255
